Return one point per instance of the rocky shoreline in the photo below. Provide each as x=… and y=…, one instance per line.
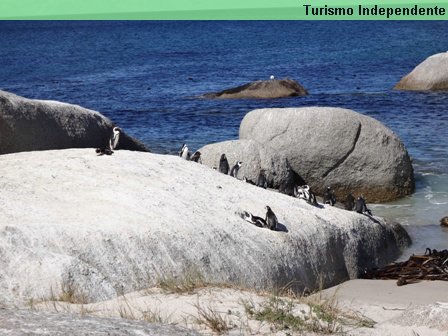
x=86, y=228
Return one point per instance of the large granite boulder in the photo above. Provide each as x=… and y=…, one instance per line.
x=274, y=88
x=335, y=147
x=325, y=146
x=106, y=225
x=431, y=74
x=29, y=125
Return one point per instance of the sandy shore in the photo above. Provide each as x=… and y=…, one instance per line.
x=414, y=309
x=360, y=307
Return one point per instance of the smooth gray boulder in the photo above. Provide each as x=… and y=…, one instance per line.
x=28, y=322
x=431, y=74
x=106, y=225
x=274, y=88
x=29, y=125
x=334, y=147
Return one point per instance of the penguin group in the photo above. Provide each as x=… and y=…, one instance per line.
x=112, y=144
x=289, y=187
x=224, y=166
x=185, y=154
x=355, y=204
x=329, y=198
x=269, y=222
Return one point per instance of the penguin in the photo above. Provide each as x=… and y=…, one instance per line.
x=299, y=192
x=196, y=157
x=329, y=197
x=288, y=185
x=235, y=169
x=444, y=221
x=223, y=164
x=305, y=192
x=349, y=202
x=262, y=181
x=257, y=221
x=312, y=197
x=103, y=151
x=115, y=137
x=271, y=219
x=361, y=206
x=184, y=153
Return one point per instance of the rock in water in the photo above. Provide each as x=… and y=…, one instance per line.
x=29, y=125
x=103, y=226
x=431, y=74
x=323, y=146
x=274, y=88
x=337, y=147
x=444, y=221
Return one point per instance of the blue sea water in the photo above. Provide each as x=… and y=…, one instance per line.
x=147, y=77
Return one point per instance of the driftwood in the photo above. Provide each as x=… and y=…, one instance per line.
x=433, y=265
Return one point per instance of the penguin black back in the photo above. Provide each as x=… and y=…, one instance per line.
x=349, y=203
x=196, y=157
x=262, y=181
x=223, y=164
x=329, y=196
x=361, y=206
x=271, y=219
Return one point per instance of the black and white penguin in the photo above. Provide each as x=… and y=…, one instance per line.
x=184, y=154
x=305, y=192
x=262, y=180
x=349, y=202
x=361, y=206
x=103, y=151
x=271, y=219
x=223, y=164
x=312, y=197
x=114, y=138
x=257, y=221
x=235, y=169
x=196, y=157
x=329, y=196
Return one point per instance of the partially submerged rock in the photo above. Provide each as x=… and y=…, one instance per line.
x=107, y=225
x=274, y=88
x=444, y=221
x=431, y=74
x=325, y=146
x=29, y=125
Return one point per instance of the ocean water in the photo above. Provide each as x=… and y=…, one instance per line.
x=148, y=76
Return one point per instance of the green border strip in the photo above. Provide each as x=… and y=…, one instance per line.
x=175, y=10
